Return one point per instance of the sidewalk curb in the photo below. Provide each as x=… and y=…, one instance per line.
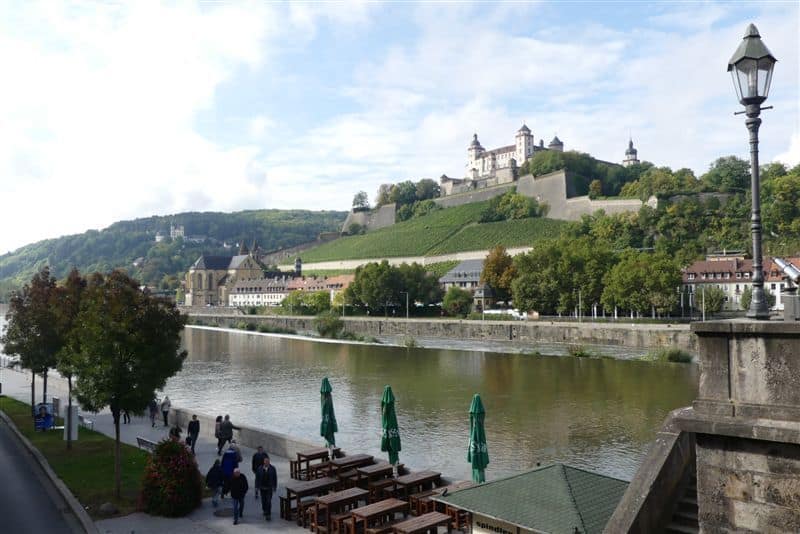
x=86, y=521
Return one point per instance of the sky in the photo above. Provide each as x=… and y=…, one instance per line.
x=113, y=111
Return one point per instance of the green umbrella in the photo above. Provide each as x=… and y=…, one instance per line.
x=328, y=425
x=390, y=437
x=478, y=452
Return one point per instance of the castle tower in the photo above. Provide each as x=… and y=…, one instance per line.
x=631, y=155
x=525, y=142
x=474, y=152
x=556, y=144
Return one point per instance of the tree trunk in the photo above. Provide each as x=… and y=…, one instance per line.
x=33, y=393
x=117, y=452
x=69, y=412
x=44, y=387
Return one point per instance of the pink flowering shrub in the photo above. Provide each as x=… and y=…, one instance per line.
x=172, y=485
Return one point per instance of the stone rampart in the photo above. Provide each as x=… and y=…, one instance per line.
x=372, y=220
x=476, y=195
x=610, y=334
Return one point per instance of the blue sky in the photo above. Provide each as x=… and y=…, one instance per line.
x=117, y=111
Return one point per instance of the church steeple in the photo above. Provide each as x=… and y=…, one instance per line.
x=631, y=155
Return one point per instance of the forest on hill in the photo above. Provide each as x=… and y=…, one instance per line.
x=131, y=245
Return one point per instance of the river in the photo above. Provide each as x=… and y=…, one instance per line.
x=599, y=414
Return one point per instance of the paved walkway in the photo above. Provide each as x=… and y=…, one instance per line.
x=16, y=384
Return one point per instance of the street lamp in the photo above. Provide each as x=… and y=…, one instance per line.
x=406, y=293
x=751, y=69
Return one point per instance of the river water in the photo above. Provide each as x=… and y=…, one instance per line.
x=599, y=414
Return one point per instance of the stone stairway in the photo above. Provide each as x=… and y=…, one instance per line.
x=684, y=520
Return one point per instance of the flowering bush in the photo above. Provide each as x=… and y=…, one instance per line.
x=172, y=484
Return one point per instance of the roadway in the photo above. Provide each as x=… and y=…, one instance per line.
x=28, y=501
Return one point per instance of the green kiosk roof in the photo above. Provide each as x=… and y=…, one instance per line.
x=557, y=498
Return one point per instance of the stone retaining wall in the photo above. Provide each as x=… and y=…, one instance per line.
x=613, y=334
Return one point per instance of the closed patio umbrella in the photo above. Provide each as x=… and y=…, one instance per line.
x=328, y=425
x=390, y=437
x=478, y=452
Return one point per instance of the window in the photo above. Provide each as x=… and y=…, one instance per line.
x=738, y=275
x=727, y=275
x=772, y=287
x=691, y=276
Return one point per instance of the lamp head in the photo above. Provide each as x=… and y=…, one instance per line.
x=751, y=68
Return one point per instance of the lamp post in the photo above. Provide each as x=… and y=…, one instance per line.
x=751, y=69
x=406, y=292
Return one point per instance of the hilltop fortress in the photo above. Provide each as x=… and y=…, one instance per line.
x=490, y=173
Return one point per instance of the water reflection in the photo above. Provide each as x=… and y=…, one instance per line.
x=595, y=413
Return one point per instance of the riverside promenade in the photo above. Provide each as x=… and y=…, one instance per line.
x=16, y=384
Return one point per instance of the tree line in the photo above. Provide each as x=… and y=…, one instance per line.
x=114, y=342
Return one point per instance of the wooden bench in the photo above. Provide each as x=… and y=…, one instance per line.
x=416, y=501
x=385, y=527
x=423, y=523
x=146, y=444
x=87, y=423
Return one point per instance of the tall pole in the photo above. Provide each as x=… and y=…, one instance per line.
x=407, y=314
x=704, y=303
x=758, y=302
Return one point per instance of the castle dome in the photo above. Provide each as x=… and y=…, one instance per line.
x=475, y=143
x=556, y=142
x=524, y=129
x=631, y=151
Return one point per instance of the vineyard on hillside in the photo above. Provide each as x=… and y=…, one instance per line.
x=449, y=230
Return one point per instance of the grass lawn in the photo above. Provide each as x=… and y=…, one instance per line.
x=88, y=469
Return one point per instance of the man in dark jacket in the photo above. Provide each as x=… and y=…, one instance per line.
x=225, y=433
x=267, y=482
x=215, y=480
x=238, y=486
x=229, y=464
x=194, y=430
x=258, y=460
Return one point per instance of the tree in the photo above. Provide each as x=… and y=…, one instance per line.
x=714, y=299
x=427, y=189
x=67, y=308
x=747, y=295
x=403, y=193
x=595, y=188
x=316, y=301
x=127, y=344
x=329, y=324
x=376, y=285
x=499, y=272
x=361, y=201
x=457, y=301
x=728, y=174
x=356, y=229
x=32, y=330
x=422, y=286
x=642, y=283
x=384, y=192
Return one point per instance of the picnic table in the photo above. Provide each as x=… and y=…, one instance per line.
x=335, y=503
x=300, y=469
x=339, y=465
x=376, y=512
x=413, y=482
x=429, y=522
x=296, y=490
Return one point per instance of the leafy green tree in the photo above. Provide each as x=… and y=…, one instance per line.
x=499, y=272
x=424, y=207
x=427, y=189
x=403, y=193
x=316, y=301
x=32, y=331
x=376, y=285
x=747, y=295
x=127, y=344
x=67, y=308
x=457, y=301
x=595, y=188
x=642, y=283
x=293, y=302
x=714, y=299
x=422, y=286
x=361, y=201
x=356, y=229
x=383, y=195
x=727, y=174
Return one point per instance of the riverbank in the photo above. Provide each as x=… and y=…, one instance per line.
x=515, y=336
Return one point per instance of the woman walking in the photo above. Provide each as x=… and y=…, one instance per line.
x=165, y=406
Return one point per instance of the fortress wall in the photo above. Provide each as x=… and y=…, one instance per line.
x=550, y=188
x=476, y=195
x=379, y=218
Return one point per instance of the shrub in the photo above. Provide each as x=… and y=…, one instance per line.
x=241, y=325
x=329, y=324
x=457, y=301
x=172, y=485
x=578, y=351
x=250, y=326
x=409, y=342
x=671, y=354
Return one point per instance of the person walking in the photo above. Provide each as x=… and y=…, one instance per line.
x=215, y=480
x=239, y=489
x=258, y=460
x=226, y=429
x=229, y=464
x=126, y=417
x=217, y=425
x=194, y=431
x=153, y=407
x=165, y=406
x=267, y=483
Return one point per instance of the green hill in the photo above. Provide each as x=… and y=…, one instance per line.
x=449, y=230
x=164, y=264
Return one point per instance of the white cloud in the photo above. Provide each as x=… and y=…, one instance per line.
x=792, y=155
